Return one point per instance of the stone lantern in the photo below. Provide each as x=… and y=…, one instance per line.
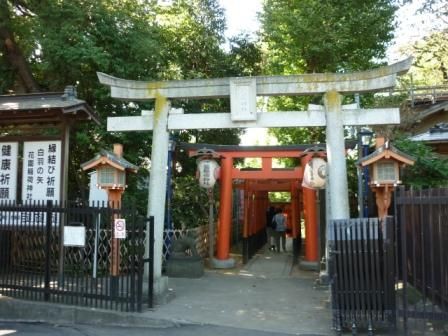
x=384, y=165
x=111, y=170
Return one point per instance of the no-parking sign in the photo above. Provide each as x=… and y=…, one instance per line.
x=120, y=228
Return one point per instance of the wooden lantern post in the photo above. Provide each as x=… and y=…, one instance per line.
x=111, y=170
x=207, y=173
x=384, y=164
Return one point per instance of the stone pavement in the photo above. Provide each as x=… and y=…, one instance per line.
x=268, y=293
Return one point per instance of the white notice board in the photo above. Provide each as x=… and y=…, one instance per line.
x=75, y=236
x=41, y=171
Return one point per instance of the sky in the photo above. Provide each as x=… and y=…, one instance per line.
x=241, y=15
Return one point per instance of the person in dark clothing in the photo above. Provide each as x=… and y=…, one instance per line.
x=270, y=227
x=280, y=229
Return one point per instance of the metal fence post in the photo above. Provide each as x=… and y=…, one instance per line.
x=48, y=250
x=151, y=264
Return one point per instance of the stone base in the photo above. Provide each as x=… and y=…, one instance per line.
x=161, y=293
x=185, y=267
x=309, y=265
x=324, y=278
x=222, y=264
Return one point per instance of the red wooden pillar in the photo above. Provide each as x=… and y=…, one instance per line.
x=259, y=211
x=311, y=225
x=225, y=209
x=264, y=204
x=311, y=230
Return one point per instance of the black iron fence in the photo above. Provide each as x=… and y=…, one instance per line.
x=68, y=254
x=252, y=243
x=361, y=267
x=422, y=231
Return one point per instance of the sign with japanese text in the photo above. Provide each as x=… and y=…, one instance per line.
x=41, y=171
x=8, y=170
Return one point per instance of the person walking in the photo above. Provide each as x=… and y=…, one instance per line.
x=280, y=229
x=270, y=227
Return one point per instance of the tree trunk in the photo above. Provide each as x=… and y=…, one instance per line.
x=16, y=59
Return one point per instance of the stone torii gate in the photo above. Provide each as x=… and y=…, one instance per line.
x=243, y=92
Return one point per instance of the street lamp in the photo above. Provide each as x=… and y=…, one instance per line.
x=364, y=139
x=169, y=189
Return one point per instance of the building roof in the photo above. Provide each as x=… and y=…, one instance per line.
x=108, y=157
x=44, y=107
x=436, y=134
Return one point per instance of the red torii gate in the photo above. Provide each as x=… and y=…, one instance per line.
x=257, y=184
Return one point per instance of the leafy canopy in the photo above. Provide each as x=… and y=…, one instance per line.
x=65, y=42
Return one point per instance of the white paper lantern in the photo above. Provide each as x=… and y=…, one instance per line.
x=208, y=173
x=315, y=173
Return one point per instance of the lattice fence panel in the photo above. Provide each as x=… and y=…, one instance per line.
x=200, y=234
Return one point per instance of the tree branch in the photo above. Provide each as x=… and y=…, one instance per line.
x=16, y=59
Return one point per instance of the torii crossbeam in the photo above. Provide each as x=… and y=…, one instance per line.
x=243, y=92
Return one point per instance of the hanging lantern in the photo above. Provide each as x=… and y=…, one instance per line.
x=315, y=173
x=208, y=172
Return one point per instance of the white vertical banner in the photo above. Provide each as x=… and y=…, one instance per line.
x=41, y=179
x=8, y=170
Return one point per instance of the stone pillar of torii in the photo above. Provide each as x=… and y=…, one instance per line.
x=243, y=92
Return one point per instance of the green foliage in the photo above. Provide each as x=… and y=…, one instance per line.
x=321, y=36
x=279, y=197
x=429, y=169
x=430, y=66
x=371, y=100
x=326, y=36
x=190, y=203
x=245, y=57
x=352, y=179
x=193, y=31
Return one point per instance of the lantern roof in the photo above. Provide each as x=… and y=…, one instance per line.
x=110, y=158
x=387, y=151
